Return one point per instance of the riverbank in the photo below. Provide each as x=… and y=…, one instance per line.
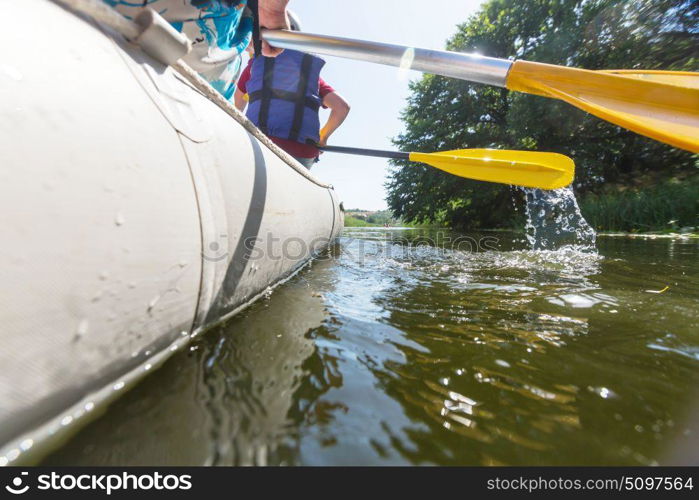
x=652, y=235
x=354, y=222
x=351, y=221
x=652, y=205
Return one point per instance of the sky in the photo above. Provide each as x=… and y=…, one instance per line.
x=376, y=93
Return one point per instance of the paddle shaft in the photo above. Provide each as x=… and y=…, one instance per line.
x=471, y=67
x=519, y=168
x=366, y=152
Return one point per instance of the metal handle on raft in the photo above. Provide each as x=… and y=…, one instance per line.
x=159, y=39
x=471, y=67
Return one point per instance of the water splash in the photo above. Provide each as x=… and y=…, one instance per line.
x=554, y=221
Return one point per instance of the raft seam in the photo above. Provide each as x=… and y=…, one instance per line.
x=201, y=232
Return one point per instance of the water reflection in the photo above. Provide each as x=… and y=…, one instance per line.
x=404, y=349
x=229, y=400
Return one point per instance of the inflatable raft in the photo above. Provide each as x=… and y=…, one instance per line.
x=136, y=213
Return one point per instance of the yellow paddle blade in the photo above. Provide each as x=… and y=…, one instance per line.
x=519, y=168
x=678, y=78
x=662, y=105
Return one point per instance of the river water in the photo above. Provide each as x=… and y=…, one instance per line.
x=410, y=346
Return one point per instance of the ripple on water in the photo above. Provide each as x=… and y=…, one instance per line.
x=670, y=343
x=403, y=352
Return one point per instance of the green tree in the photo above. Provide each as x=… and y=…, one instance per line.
x=444, y=113
x=381, y=217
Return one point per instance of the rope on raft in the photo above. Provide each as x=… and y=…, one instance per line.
x=104, y=14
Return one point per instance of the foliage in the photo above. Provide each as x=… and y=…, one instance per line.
x=444, y=114
x=360, y=218
x=351, y=221
x=670, y=204
x=381, y=218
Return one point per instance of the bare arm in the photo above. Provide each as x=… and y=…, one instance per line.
x=239, y=100
x=273, y=16
x=339, y=109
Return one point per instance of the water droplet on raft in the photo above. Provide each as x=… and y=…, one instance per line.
x=104, y=275
x=214, y=246
x=82, y=327
x=119, y=219
x=153, y=302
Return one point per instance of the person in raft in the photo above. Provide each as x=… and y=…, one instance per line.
x=219, y=30
x=283, y=96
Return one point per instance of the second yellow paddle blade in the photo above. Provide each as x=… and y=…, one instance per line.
x=660, y=105
x=519, y=168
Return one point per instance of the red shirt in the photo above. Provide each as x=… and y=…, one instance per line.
x=292, y=147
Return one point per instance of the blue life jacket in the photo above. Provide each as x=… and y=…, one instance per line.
x=284, y=96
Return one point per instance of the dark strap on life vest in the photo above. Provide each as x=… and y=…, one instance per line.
x=266, y=97
x=256, y=38
x=284, y=95
x=299, y=97
x=300, y=103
